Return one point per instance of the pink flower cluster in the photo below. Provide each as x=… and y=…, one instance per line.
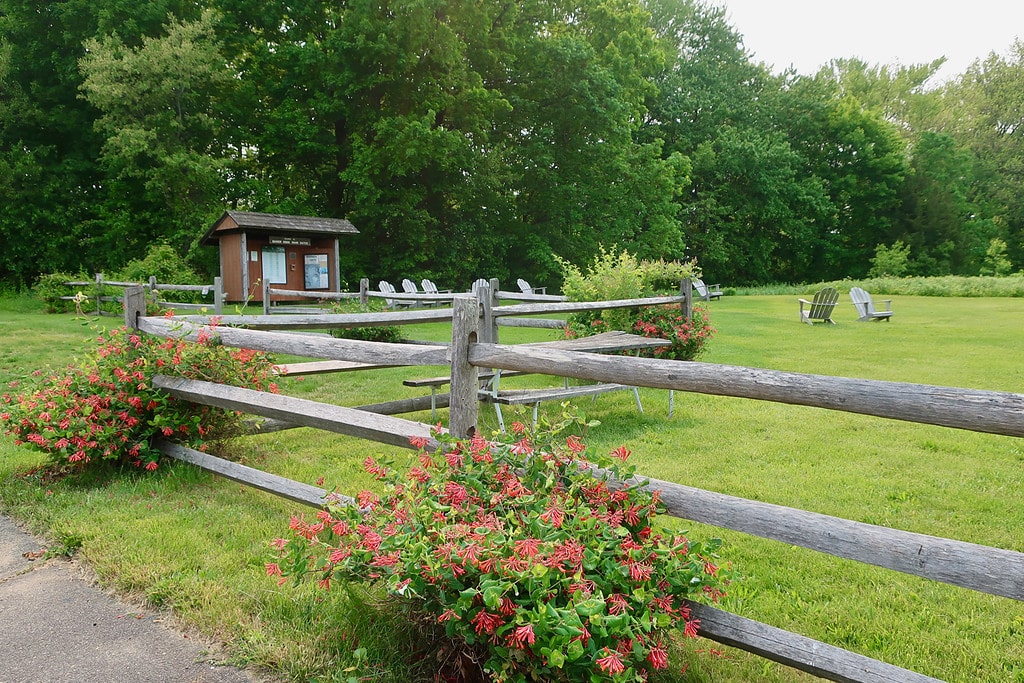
x=514, y=547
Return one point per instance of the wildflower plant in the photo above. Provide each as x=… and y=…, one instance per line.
x=689, y=337
x=535, y=562
x=105, y=408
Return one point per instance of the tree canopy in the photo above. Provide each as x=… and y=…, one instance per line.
x=492, y=139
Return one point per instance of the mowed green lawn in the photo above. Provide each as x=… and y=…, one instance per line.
x=191, y=542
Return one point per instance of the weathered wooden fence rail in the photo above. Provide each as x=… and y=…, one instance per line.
x=991, y=570
x=492, y=294
x=99, y=284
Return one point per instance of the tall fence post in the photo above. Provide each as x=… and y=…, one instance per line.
x=686, y=291
x=486, y=302
x=266, y=296
x=153, y=292
x=218, y=296
x=364, y=288
x=492, y=333
x=134, y=306
x=99, y=294
x=464, y=402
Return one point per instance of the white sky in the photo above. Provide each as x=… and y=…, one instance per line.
x=809, y=33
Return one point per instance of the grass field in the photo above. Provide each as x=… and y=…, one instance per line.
x=195, y=544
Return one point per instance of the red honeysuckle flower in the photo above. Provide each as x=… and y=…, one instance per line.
x=485, y=622
x=611, y=662
x=521, y=636
x=658, y=657
x=521, y=447
x=575, y=444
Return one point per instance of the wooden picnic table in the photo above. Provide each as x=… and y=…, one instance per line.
x=606, y=342
x=614, y=341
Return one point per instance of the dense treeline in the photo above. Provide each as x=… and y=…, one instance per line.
x=488, y=138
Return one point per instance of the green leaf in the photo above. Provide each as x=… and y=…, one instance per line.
x=492, y=596
x=590, y=607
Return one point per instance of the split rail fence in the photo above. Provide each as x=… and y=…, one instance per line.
x=100, y=287
x=990, y=570
x=421, y=299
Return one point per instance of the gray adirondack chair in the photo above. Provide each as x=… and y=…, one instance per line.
x=705, y=293
x=820, y=308
x=866, y=307
x=386, y=287
x=409, y=287
x=525, y=287
x=479, y=285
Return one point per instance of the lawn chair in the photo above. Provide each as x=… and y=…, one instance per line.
x=430, y=288
x=479, y=285
x=409, y=287
x=820, y=309
x=386, y=287
x=525, y=287
x=866, y=307
x=705, y=293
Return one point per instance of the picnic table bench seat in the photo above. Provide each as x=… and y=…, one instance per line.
x=490, y=392
x=535, y=397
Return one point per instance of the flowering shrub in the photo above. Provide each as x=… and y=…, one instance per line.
x=688, y=337
x=106, y=409
x=542, y=570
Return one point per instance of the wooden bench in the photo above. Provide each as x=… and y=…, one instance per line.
x=535, y=397
x=437, y=382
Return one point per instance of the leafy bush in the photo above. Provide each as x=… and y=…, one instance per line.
x=106, y=408
x=619, y=275
x=164, y=263
x=541, y=570
x=50, y=288
x=891, y=261
x=997, y=263
x=381, y=333
x=689, y=337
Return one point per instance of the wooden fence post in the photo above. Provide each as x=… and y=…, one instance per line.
x=99, y=294
x=266, y=296
x=364, y=288
x=492, y=333
x=686, y=291
x=464, y=404
x=488, y=330
x=218, y=296
x=134, y=306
